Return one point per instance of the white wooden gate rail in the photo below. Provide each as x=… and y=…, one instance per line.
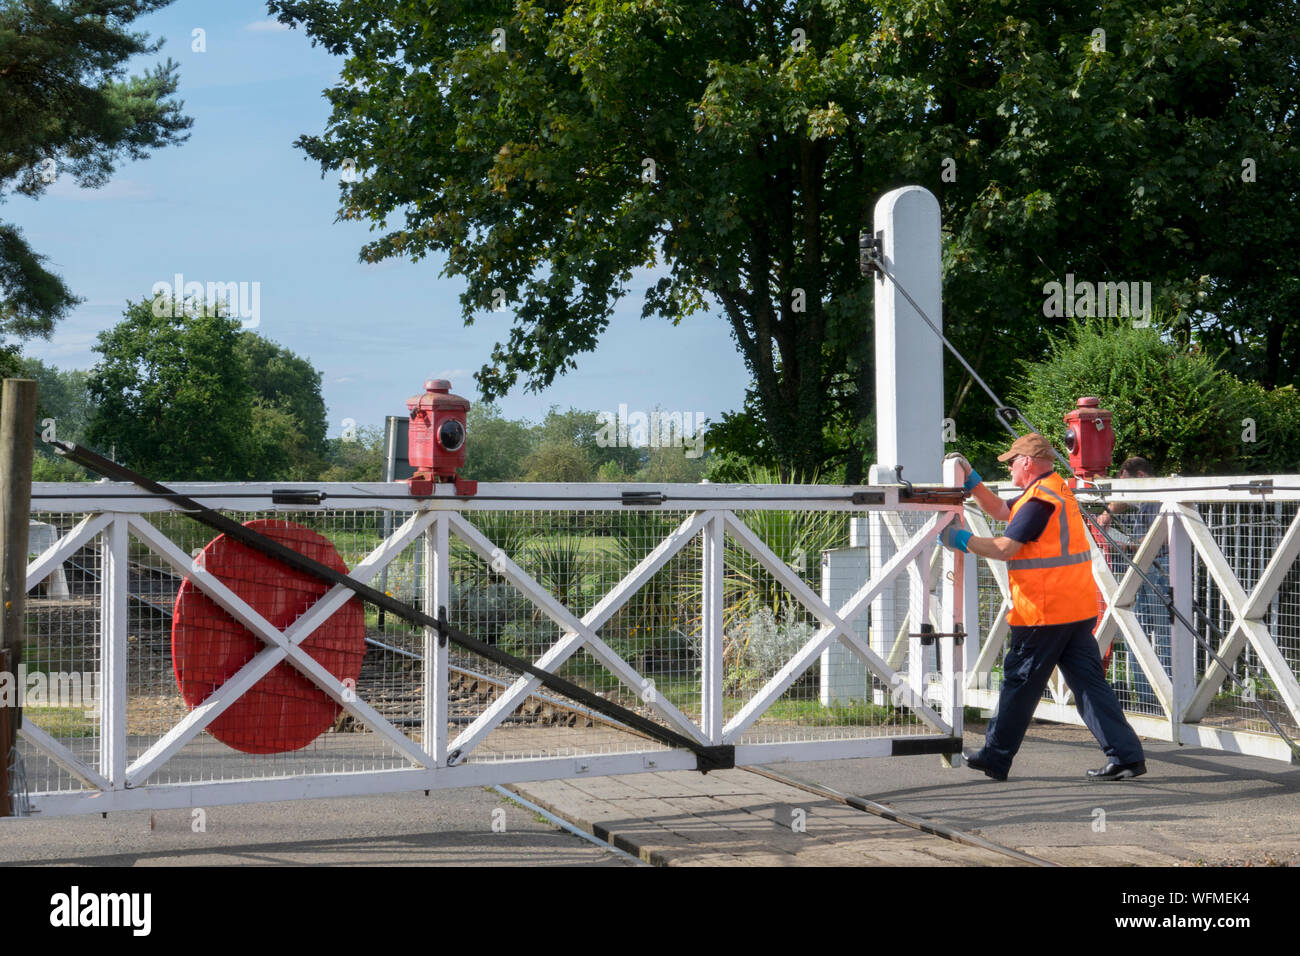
x=1259, y=619
x=117, y=521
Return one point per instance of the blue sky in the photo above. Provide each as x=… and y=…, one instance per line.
x=238, y=203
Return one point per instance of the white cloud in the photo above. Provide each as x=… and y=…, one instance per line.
x=267, y=26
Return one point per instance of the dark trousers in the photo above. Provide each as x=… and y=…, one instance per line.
x=1031, y=654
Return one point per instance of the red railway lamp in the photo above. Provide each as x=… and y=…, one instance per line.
x=1089, y=438
x=436, y=440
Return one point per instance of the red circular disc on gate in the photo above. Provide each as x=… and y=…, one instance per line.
x=284, y=710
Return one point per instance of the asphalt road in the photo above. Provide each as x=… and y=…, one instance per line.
x=1194, y=806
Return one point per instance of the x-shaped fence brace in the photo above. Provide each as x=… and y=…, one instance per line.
x=1248, y=611
x=577, y=633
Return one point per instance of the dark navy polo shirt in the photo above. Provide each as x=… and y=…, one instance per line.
x=1032, y=517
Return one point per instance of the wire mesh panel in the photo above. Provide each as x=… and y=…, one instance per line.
x=59, y=679
x=831, y=687
x=181, y=647
x=1129, y=527
x=532, y=595
x=1248, y=534
x=765, y=624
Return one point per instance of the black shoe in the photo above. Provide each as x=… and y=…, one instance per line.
x=975, y=763
x=1119, y=771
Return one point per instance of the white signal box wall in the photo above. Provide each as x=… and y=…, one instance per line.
x=844, y=678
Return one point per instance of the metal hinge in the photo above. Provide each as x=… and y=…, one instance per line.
x=871, y=249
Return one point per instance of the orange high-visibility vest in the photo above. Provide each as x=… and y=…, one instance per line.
x=1051, y=577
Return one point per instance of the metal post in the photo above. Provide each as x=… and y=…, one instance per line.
x=17, y=425
x=390, y=471
x=969, y=598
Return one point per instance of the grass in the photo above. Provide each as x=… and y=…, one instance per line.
x=812, y=713
x=62, y=722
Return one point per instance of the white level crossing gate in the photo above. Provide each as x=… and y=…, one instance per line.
x=697, y=606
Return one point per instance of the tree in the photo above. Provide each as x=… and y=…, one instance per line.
x=558, y=461
x=181, y=392
x=497, y=446
x=61, y=396
x=670, y=464
x=1170, y=404
x=278, y=446
x=548, y=152
x=289, y=421
x=358, y=457
x=171, y=395
x=587, y=431
x=63, y=410
x=65, y=108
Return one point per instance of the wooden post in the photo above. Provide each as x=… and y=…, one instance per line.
x=17, y=427
x=6, y=810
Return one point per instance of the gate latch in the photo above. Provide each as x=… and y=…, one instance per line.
x=928, y=634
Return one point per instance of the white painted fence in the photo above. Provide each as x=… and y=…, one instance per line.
x=702, y=612
x=1228, y=546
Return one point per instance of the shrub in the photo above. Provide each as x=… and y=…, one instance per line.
x=1172, y=405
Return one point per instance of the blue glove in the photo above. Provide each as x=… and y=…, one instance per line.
x=971, y=481
x=955, y=538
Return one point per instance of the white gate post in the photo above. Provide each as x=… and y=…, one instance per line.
x=114, y=583
x=437, y=593
x=952, y=655
x=909, y=378
x=711, y=676
x=1182, y=643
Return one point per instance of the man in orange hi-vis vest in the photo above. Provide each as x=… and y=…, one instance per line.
x=1053, y=610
